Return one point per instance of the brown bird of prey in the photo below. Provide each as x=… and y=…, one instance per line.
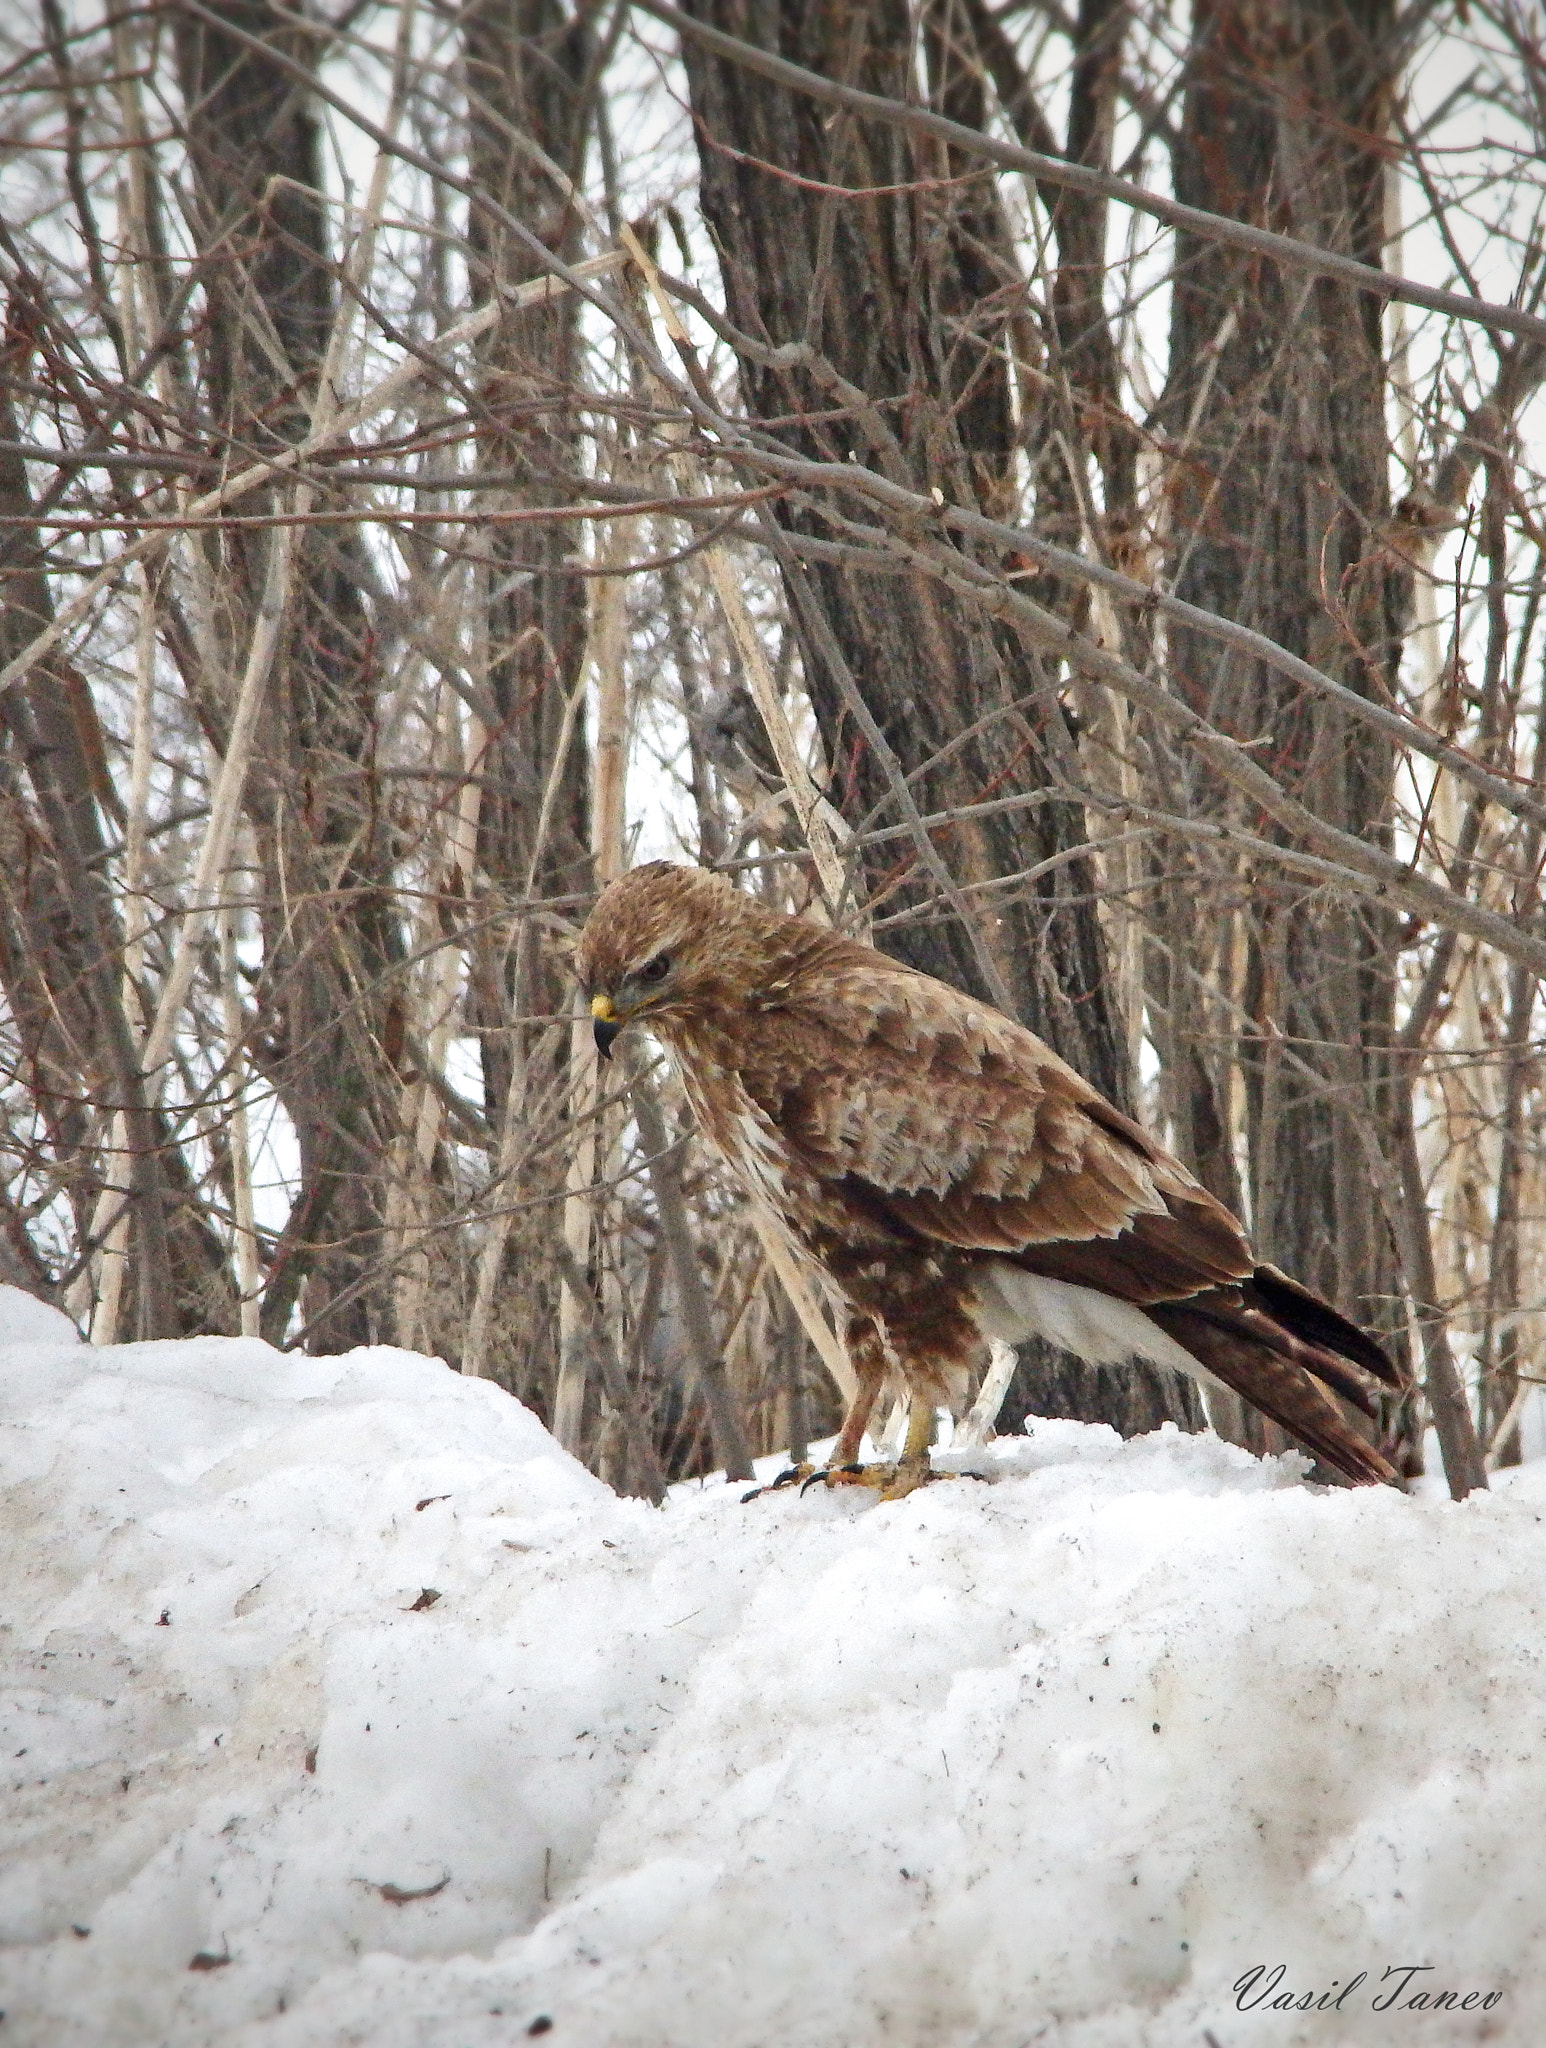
x=953, y=1179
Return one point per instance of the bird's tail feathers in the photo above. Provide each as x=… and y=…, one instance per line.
x=1305, y=1315
x=1277, y=1372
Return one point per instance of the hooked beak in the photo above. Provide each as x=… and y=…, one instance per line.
x=606, y=1025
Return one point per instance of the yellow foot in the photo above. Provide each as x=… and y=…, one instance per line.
x=792, y=1475
x=891, y=1482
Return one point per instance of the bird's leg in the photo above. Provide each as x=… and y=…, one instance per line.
x=912, y=1469
x=869, y=1362
x=872, y=1361
x=870, y=1368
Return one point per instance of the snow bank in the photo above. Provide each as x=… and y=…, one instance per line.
x=341, y=1706
x=26, y=1320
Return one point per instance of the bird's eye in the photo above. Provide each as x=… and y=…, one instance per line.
x=656, y=969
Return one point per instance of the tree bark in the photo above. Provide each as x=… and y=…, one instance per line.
x=526, y=69
x=898, y=300
x=333, y=948
x=1279, y=503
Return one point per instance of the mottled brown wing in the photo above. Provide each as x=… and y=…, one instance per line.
x=968, y=1130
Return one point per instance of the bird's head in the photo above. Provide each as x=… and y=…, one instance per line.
x=655, y=944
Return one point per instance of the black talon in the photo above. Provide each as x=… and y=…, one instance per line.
x=787, y=1477
x=824, y=1472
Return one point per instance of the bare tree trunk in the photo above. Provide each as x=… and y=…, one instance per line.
x=898, y=303
x=332, y=943
x=1279, y=499
x=526, y=72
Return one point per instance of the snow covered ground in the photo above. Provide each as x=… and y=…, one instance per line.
x=341, y=1706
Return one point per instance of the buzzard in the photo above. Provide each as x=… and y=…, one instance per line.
x=953, y=1179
